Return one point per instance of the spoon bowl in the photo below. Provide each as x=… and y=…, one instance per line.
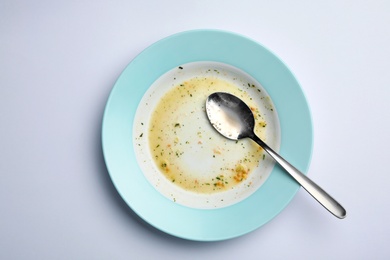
x=232, y=118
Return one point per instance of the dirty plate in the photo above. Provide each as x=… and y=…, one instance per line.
x=130, y=162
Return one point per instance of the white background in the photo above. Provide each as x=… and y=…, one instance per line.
x=59, y=61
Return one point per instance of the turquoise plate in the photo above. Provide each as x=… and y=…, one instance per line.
x=210, y=224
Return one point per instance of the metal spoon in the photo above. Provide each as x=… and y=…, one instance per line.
x=232, y=118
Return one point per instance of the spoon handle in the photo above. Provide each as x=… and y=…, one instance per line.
x=312, y=188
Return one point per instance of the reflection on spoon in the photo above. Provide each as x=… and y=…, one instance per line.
x=232, y=118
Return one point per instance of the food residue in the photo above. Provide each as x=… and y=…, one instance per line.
x=188, y=151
